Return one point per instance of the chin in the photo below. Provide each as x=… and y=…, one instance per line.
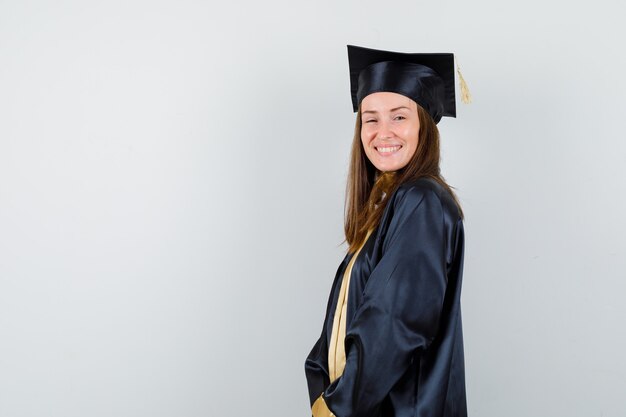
x=389, y=167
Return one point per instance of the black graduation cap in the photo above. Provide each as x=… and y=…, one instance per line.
x=428, y=79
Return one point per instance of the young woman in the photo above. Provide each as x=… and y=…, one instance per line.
x=392, y=343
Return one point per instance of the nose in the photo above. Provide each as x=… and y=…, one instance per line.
x=384, y=130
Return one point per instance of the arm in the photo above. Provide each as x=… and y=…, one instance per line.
x=401, y=308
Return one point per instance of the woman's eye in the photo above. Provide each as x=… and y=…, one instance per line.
x=400, y=117
x=370, y=121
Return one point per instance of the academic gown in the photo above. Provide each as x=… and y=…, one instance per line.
x=403, y=338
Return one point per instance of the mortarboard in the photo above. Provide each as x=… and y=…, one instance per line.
x=428, y=79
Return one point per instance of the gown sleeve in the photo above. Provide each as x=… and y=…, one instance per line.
x=401, y=309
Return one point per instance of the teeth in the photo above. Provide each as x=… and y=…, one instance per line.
x=389, y=149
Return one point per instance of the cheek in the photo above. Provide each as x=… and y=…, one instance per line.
x=366, y=137
x=364, y=144
x=415, y=139
x=415, y=132
x=412, y=140
x=410, y=135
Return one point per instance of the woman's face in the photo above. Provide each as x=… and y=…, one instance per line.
x=389, y=129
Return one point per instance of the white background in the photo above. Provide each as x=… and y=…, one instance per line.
x=171, y=197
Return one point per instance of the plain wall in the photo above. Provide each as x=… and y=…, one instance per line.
x=171, y=197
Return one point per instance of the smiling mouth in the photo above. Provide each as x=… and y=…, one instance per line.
x=388, y=149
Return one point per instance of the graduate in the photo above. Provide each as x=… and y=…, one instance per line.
x=391, y=344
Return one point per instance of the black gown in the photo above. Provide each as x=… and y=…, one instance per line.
x=404, y=342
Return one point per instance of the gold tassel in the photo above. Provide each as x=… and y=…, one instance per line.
x=466, y=97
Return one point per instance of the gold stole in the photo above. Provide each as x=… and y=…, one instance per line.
x=336, y=350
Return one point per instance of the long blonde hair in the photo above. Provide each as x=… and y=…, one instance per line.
x=368, y=190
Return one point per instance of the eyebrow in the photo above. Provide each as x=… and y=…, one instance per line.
x=391, y=111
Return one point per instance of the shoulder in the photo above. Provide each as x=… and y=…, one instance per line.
x=426, y=191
